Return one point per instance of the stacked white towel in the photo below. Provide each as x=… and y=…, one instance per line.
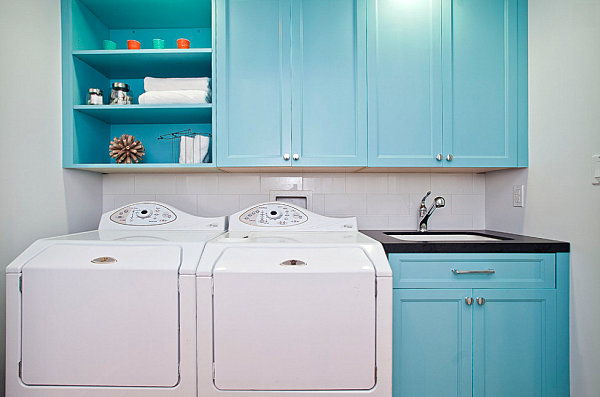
x=174, y=97
x=171, y=91
x=176, y=84
x=194, y=149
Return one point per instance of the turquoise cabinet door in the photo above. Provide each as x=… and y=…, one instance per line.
x=432, y=343
x=515, y=345
x=485, y=105
x=405, y=83
x=329, y=105
x=252, y=76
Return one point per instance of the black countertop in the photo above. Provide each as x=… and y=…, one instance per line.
x=508, y=243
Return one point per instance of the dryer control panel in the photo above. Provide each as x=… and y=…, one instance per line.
x=272, y=214
x=285, y=217
x=143, y=214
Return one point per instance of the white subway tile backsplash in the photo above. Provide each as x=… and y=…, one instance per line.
x=248, y=200
x=218, y=204
x=345, y=204
x=388, y=204
x=366, y=183
x=270, y=182
x=238, y=184
x=197, y=184
x=409, y=183
x=378, y=200
x=451, y=183
x=324, y=183
x=185, y=202
x=156, y=184
x=118, y=184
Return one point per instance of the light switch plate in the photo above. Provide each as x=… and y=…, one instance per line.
x=518, y=195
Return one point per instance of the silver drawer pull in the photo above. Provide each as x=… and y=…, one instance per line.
x=488, y=271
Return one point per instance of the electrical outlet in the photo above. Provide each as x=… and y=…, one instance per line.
x=518, y=195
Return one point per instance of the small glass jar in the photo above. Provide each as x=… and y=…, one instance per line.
x=94, y=97
x=118, y=95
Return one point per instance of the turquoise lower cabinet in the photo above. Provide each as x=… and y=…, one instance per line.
x=495, y=339
x=253, y=82
x=432, y=343
x=514, y=343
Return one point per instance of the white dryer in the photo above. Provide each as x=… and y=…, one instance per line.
x=111, y=312
x=291, y=303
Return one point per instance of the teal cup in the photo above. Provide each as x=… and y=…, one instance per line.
x=109, y=45
x=158, y=43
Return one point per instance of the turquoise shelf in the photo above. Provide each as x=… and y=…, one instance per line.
x=192, y=62
x=151, y=14
x=149, y=114
x=146, y=167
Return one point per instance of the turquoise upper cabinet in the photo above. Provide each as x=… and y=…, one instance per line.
x=485, y=80
x=515, y=343
x=447, y=83
x=253, y=77
x=329, y=88
x=291, y=83
x=405, y=83
x=432, y=343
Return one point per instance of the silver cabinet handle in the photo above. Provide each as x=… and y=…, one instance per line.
x=296, y=156
x=439, y=157
x=469, y=300
x=449, y=157
x=480, y=300
x=488, y=271
x=286, y=156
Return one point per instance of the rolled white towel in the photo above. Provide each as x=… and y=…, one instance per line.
x=175, y=84
x=174, y=97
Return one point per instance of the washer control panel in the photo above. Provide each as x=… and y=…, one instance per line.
x=143, y=214
x=273, y=215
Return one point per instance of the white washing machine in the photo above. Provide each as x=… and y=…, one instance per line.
x=291, y=303
x=111, y=312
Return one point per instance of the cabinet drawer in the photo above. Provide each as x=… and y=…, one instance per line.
x=473, y=270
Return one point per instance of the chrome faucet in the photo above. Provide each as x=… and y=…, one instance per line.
x=425, y=214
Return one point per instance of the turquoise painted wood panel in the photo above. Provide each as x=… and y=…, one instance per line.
x=511, y=270
x=329, y=93
x=149, y=114
x=514, y=343
x=253, y=82
x=432, y=343
x=405, y=83
x=562, y=325
x=480, y=57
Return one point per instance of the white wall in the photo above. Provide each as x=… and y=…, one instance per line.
x=564, y=132
x=37, y=197
x=378, y=200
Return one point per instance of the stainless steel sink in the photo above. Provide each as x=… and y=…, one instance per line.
x=441, y=236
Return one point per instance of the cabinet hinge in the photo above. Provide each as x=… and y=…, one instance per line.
x=21, y=284
x=375, y=286
x=375, y=374
x=213, y=371
x=212, y=286
x=20, y=369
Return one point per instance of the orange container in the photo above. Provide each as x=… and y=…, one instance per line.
x=183, y=43
x=133, y=45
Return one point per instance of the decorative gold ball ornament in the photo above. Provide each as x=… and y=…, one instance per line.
x=126, y=150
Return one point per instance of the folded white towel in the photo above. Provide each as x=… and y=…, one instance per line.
x=193, y=149
x=174, y=84
x=174, y=97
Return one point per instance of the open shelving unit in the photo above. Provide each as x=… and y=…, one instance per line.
x=88, y=129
